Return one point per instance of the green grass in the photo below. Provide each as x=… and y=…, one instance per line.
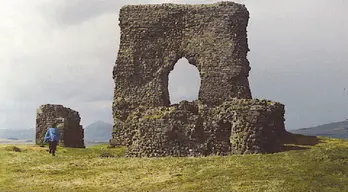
x=304, y=166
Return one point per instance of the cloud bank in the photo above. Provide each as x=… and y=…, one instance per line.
x=63, y=52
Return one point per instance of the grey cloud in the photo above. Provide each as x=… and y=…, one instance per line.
x=61, y=82
x=297, y=57
x=74, y=12
x=299, y=51
x=184, y=82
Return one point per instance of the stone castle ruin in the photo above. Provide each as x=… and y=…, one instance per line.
x=68, y=123
x=225, y=119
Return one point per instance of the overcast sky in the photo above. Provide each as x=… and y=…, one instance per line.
x=63, y=52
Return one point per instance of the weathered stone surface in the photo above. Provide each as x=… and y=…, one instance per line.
x=224, y=119
x=190, y=128
x=154, y=37
x=68, y=123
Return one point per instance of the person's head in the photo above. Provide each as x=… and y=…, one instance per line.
x=54, y=125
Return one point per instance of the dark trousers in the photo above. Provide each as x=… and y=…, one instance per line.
x=52, y=147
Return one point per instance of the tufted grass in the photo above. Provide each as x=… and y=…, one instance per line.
x=306, y=165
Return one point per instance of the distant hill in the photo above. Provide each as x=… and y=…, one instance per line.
x=333, y=130
x=98, y=132
x=19, y=134
x=101, y=132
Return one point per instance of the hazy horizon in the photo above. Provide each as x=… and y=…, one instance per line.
x=63, y=52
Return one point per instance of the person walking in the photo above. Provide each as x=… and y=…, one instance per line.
x=52, y=138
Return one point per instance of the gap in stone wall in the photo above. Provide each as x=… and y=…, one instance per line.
x=184, y=82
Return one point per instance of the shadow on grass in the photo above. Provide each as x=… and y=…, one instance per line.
x=292, y=141
x=291, y=148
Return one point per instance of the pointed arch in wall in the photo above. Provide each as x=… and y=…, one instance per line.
x=184, y=82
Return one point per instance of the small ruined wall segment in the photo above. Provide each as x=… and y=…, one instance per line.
x=225, y=119
x=68, y=120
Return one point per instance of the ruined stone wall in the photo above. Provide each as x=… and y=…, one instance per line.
x=224, y=119
x=154, y=37
x=68, y=120
x=239, y=126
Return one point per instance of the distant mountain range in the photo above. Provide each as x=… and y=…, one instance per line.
x=334, y=130
x=19, y=134
x=96, y=132
x=101, y=132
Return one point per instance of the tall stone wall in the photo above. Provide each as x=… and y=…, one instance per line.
x=211, y=37
x=68, y=123
x=154, y=37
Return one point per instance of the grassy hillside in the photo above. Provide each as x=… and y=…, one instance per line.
x=307, y=164
x=333, y=130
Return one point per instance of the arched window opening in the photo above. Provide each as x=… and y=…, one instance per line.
x=184, y=82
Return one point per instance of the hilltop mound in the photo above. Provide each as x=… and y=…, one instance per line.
x=308, y=164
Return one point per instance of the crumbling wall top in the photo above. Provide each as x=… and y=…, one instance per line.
x=211, y=37
x=183, y=6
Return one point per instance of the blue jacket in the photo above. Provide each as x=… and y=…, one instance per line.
x=52, y=134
